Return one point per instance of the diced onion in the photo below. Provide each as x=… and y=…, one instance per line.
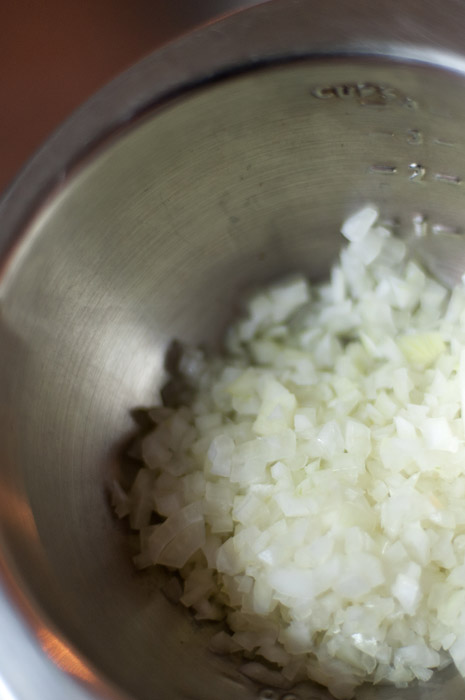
x=314, y=489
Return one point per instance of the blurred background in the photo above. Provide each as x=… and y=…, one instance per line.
x=55, y=53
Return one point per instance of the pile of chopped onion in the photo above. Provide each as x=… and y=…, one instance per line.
x=313, y=492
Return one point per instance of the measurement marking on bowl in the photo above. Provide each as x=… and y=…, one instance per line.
x=366, y=94
x=389, y=134
x=449, y=179
x=418, y=172
x=420, y=225
x=383, y=169
x=437, y=229
x=414, y=137
x=440, y=142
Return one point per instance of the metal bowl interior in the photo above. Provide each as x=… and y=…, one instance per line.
x=156, y=236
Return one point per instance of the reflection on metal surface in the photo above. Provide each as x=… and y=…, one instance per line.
x=63, y=657
x=448, y=179
x=16, y=511
x=5, y=692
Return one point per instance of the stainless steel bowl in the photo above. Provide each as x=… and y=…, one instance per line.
x=225, y=159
